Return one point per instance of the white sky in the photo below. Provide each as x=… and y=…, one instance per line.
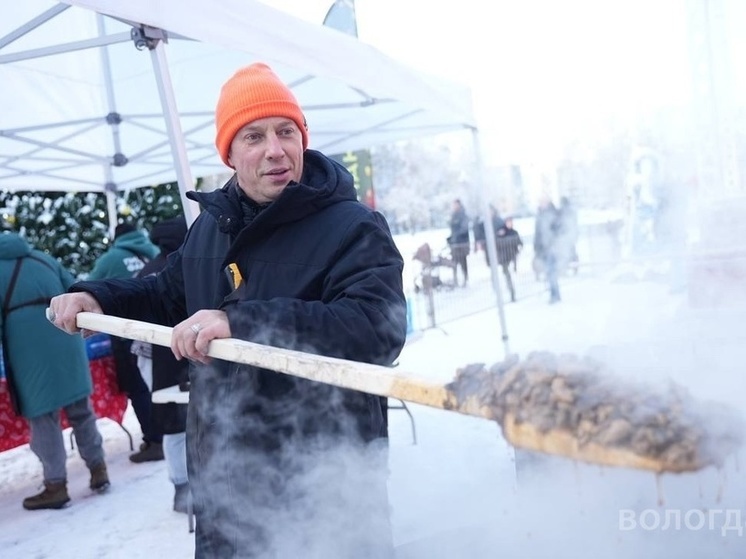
x=540, y=70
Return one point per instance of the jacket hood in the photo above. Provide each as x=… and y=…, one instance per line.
x=324, y=182
x=13, y=246
x=136, y=242
x=169, y=233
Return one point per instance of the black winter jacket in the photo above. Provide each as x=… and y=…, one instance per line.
x=320, y=270
x=320, y=273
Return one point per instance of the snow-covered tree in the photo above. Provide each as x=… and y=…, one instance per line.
x=74, y=227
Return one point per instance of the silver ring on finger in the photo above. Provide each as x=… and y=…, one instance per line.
x=196, y=328
x=50, y=315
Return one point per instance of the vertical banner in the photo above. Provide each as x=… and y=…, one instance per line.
x=341, y=16
x=359, y=165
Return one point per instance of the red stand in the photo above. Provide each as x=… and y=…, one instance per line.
x=107, y=401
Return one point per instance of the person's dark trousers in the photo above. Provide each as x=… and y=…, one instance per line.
x=508, y=280
x=459, y=252
x=131, y=383
x=142, y=404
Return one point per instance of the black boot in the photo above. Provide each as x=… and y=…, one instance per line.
x=149, y=452
x=54, y=496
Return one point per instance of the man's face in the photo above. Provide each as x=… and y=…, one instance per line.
x=267, y=154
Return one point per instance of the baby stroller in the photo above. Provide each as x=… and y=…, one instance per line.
x=429, y=277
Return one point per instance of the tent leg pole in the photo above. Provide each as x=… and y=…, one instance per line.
x=490, y=241
x=175, y=134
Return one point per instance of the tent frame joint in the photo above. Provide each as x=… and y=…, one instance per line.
x=146, y=37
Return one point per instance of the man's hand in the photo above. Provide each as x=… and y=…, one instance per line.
x=63, y=311
x=192, y=337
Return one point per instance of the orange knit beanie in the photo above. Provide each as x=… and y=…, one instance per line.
x=252, y=93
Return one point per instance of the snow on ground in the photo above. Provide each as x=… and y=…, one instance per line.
x=455, y=493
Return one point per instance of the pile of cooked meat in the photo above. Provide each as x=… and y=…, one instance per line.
x=578, y=399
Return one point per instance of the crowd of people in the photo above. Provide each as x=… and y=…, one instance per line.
x=50, y=378
x=555, y=237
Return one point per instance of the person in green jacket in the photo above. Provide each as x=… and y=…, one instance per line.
x=128, y=254
x=47, y=370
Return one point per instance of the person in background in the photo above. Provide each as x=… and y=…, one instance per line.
x=480, y=237
x=458, y=241
x=567, y=235
x=128, y=254
x=160, y=369
x=545, y=244
x=47, y=371
x=497, y=221
x=285, y=255
x=508, y=243
x=479, y=231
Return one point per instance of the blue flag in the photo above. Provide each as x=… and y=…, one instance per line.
x=341, y=16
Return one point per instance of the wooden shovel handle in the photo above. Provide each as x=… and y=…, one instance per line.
x=373, y=379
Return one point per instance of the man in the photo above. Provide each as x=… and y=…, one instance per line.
x=567, y=235
x=284, y=255
x=47, y=371
x=546, y=229
x=126, y=257
x=508, y=244
x=479, y=233
x=479, y=230
x=459, y=240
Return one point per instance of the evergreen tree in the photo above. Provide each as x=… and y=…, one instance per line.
x=147, y=206
x=71, y=227
x=74, y=227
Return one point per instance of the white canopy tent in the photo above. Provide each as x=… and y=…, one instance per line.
x=106, y=96
x=99, y=95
